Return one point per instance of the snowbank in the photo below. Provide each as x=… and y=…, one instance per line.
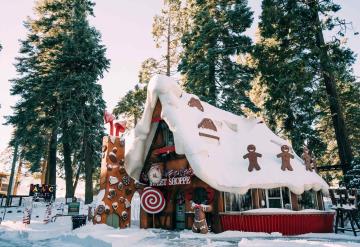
x=218, y=163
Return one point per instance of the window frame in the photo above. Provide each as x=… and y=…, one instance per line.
x=227, y=195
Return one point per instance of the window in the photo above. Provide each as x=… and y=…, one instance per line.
x=308, y=200
x=237, y=202
x=258, y=198
x=278, y=198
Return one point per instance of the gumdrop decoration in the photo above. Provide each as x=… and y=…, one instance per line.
x=120, y=186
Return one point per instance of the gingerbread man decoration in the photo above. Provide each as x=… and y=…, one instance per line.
x=307, y=159
x=285, y=158
x=252, y=156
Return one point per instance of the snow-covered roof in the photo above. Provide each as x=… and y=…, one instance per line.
x=219, y=163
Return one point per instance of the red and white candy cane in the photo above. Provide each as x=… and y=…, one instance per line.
x=152, y=200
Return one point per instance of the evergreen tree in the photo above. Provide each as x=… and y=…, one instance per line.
x=215, y=37
x=283, y=68
x=168, y=28
x=306, y=68
x=131, y=106
x=353, y=176
x=61, y=102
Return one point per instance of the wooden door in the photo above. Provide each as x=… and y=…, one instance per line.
x=180, y=211
x=113, y=220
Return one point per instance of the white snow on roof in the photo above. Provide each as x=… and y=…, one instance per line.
x=218, y=163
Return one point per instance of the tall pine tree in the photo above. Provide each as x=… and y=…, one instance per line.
x=60, y=63
x=168, y=28
x=214, y=39
x=304, y=67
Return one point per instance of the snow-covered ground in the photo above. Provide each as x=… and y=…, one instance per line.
x=59, y=233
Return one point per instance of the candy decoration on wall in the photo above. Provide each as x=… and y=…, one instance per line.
x=120, y=126
x=115, y=205
x=124, y=215
x=126, y=180
x=122, y=169
x=285, y=156
x=113, y=180
x=112, y=155
x=100, y=209
x=112, y=194
x=120, y=186
x=152, y=200
x=107, y=209
x=98, y=218
x=127, y=203
x=307, y=159
x=252, y=156
x=128, y=191
x=109, y=118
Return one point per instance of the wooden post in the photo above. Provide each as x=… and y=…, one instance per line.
x=255, y=198
x=319, y=200
x=294, y=201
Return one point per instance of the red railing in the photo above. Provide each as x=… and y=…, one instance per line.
x=287, y=224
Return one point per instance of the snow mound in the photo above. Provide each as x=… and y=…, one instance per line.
x=220, y=162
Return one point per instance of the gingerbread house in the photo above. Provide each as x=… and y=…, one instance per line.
x=243, y=175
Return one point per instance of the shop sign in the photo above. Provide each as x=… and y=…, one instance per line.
x=173, y=181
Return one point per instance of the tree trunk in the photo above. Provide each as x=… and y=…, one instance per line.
x=11, y=180
x=88, y=171
x=342, y=138
x=77, y=176
x=18, y=177
x=68, y=166
x=51, y=163
x=168, y=63
x=212, y=92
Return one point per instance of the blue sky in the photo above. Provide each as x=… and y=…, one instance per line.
x=125, y=26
